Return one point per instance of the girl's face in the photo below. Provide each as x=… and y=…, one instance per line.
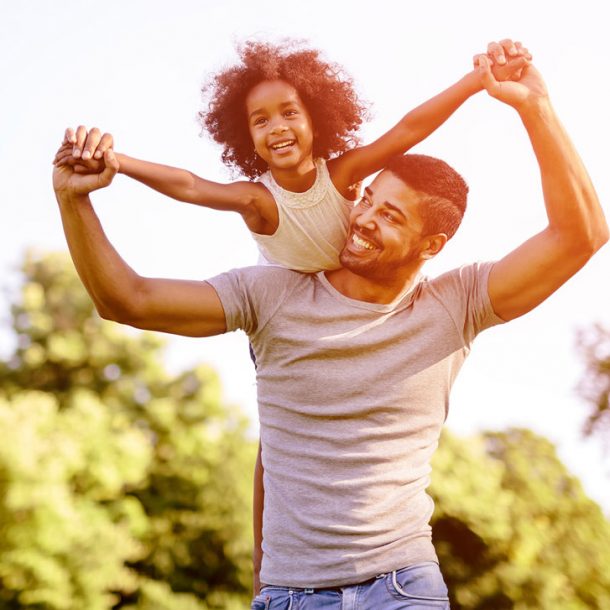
x=280, y=126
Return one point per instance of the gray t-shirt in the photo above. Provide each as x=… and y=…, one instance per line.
x=352, y=397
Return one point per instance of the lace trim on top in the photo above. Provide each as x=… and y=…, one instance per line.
x=310, y=197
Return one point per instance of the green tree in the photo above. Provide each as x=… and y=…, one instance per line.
x=514, y=530
x=120, y=486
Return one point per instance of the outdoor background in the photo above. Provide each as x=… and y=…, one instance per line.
x=135, y=69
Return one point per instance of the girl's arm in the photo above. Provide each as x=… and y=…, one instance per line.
x=257, y=521
x=418, y=124
x=84, y=148
x=250, y=200
x=183, y=185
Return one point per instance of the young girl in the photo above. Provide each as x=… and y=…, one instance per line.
x=287, y=120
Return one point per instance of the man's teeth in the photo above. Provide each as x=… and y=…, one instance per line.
x=362, y=243
x=282, y=145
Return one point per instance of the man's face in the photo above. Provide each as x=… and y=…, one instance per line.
x=386, y=230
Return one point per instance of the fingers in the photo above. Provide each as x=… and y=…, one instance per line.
x=523, y=52
x=83, y=150
x=69, y=136
x=511, y=70
x=476, y=58
x=488, y=81
x=501, y=52
x=496, y=53
x=88, y=144
x=111, y=169
x=63, y=154
x=64, y=157
x=79, y=141
x=106, y=142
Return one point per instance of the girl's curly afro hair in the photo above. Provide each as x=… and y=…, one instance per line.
x=328, y=94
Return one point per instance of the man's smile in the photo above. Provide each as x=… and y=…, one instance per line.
x=362, y=243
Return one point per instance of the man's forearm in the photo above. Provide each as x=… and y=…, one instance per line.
x=105, y=275
x=571, y=202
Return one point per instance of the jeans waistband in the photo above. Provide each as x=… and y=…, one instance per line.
x=336, y=589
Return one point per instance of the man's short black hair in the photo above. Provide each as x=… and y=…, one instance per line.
x=445, y=191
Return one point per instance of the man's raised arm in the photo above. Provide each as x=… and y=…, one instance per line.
x=119, y=293
x=576, y=224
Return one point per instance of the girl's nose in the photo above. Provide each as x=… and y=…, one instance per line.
x=278, y=127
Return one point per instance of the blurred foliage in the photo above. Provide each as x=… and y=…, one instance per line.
x=123, y=487
x=514, y=530
x=120, y=486
x=594, y=345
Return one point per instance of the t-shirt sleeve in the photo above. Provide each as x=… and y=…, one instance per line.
x=464, y=294
x=251, y=295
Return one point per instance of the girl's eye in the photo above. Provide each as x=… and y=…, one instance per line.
x=260, y=121
x=290, y=112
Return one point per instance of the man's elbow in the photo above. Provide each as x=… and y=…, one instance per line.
x=583, y=246
x=117, y=311
x=603, y=234
x=596, y=237
x=112, y=314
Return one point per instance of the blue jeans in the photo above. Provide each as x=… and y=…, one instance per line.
x=417, y=587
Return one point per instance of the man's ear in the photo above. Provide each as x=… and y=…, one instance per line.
x=432, y=245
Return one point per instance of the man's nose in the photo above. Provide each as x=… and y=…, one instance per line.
x=366, y=219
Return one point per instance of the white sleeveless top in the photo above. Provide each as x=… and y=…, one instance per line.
x=312, y=225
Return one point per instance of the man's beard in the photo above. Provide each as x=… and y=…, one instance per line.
x=373, y=269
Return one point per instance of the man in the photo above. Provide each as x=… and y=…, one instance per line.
x=355, y=365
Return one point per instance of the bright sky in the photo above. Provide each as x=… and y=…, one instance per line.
x=134, y=68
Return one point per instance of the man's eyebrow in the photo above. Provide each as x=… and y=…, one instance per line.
x=369, y=193
x=395, y=208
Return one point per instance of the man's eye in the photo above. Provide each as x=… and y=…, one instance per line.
x=389, y=216
x=365, y=203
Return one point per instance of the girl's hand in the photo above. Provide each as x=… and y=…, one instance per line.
x=507, y=59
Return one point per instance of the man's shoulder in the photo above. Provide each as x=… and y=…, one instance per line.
x=250, y=296
x=264, y=280
x=466, y=273
x=270, y=272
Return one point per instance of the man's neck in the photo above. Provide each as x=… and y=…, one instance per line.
x=372, y=290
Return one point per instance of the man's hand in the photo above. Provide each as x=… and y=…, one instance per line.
x=530, y=87
x=72, y=178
